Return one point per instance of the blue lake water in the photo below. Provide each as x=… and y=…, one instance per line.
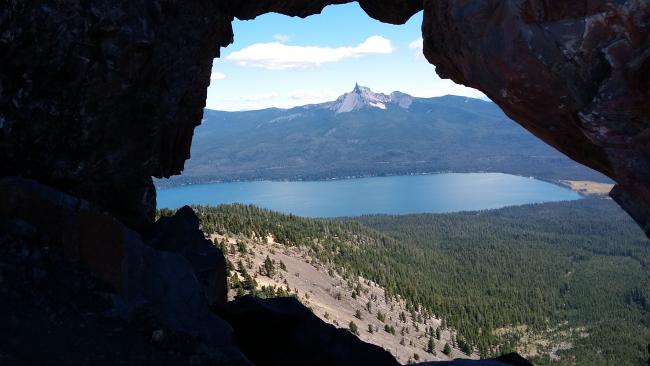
x=388, y=195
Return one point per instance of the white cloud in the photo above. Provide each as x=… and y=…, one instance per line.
x=254, y=98
x=243, y=102
x=306, y=96
x=281, y=38
x=217, y=76
x=417, y=45
x=278, y=56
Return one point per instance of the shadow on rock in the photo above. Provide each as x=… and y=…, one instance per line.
x=282, y=331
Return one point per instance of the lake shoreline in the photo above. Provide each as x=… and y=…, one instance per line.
x=405, y=194
x=167, y=183
x=585, y=188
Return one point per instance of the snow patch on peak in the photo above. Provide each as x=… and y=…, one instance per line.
x=404, y=100
x=362, y=97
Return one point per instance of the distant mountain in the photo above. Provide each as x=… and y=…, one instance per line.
x=365, y=133
x=363, y=98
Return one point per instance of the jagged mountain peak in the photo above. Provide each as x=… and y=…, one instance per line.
x=362, y=97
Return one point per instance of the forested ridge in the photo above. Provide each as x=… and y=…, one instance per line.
x=576, y=272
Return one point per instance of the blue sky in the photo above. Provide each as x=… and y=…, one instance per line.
x=280, y=61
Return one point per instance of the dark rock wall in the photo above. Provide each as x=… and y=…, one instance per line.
x=181, y=234
x=394, y=11
x=173, y=278
x=98, y=96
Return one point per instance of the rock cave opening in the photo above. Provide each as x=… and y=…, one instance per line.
x=96, y=98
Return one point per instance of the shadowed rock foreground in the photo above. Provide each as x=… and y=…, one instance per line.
x=99, y=289
x=96, y=97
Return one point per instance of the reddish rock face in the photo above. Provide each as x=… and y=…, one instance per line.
x=575, y=74
x=97, y=97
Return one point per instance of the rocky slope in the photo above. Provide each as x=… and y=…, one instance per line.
x=338, y=300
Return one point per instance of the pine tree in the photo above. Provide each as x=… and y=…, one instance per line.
x=241, y=247
x=269, y=268
x=380, y=316
x=431, y=346
x=240, y=292
x=447, y=349
x=353, y=328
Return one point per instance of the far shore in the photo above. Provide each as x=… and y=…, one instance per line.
x=584, y=187
x=588, y=188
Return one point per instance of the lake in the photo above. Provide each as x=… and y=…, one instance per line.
x=449, y=192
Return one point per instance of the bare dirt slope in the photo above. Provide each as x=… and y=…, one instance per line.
x=588, y=188
x=339, y=301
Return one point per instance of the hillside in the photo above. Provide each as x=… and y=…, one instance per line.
x=365, y=133
x=574, y=272
x=335, y=298
x=563, y=281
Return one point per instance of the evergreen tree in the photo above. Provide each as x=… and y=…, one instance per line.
x=431, y=346
x=229, y=266
x=381, y=316
x=353, y=328
x=269, y=268
x=447, y=350
x=241, y=247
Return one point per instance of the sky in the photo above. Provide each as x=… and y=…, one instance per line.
x=280, y=61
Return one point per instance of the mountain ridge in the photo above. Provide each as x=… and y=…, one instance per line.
x=363, y=133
